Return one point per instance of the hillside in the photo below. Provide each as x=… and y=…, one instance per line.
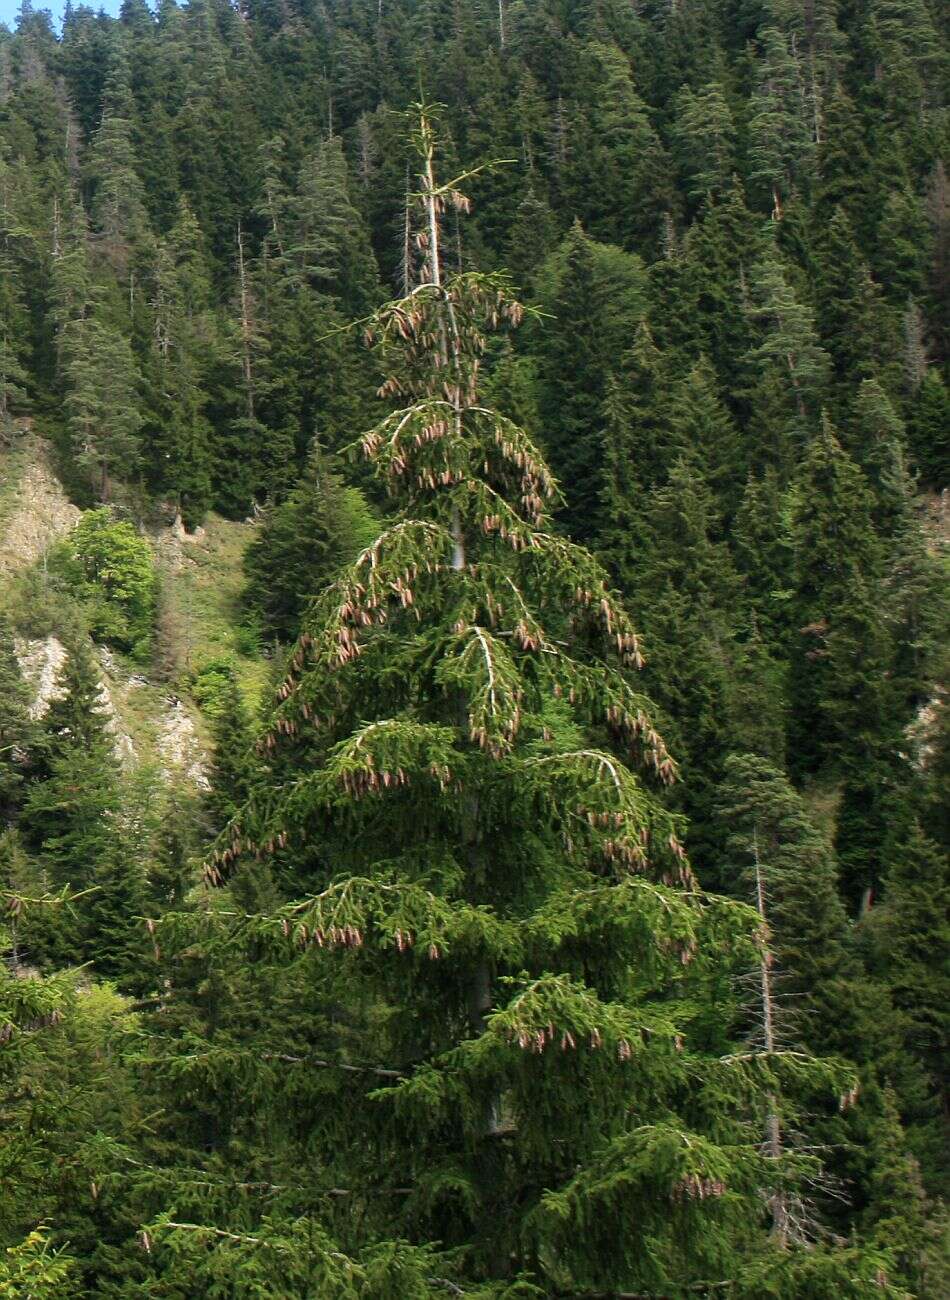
x=474, y=611
x=153, y=714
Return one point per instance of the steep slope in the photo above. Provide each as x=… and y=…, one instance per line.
x=154, y=715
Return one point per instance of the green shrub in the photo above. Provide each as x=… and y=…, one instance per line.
x=108, y=566
x=211, y=684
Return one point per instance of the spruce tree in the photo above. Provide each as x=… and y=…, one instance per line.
x=101, y=404
x=76, y=717
x=118, y=207
x=18, y=731
x=177, y=433
x=532, y=236
x=303, y=542
x=702, y=429
x=506, y=900
x=686, y=595
x=843, y=164
x=850, y=314
x=720, y=252
x=327, y=244
x=781, y=140
x=96, y=371
x=705, y=133
x=761, y=547
x=594, y=294
x=232, y=764
x=787, y=337
x=14, y=377
x=840, y=646
x=877, y=440
x=904, y=935
x=70, y=817
x=928, y=419
x=814, y=990
x=623, y=499
x=774, y=846
x=619, y=173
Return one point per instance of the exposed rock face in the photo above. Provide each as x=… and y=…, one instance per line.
x=923, y=731
x=179, y=747
x=40, y=663
x=42, y=514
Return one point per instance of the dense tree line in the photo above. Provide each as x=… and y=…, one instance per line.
x=572, y=918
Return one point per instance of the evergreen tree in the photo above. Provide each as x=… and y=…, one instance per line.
x=75, y=717
x=18, y=733
x=101, y=406
x=705, y=132
x=686, y=595
x=850, y=315
x=14, y=377
x=787, y=337
x=116, y=940
x=118, y=206
x=619, y=172
x=895, y=1215
x=843, y=163
x=427, y=666
x=813, y=989
x=327, y=240
x=96, y=370
x=781, y=140
x=720, y=252
x=905, y=933
x=532, y=237
x=774, y=846
x=232, y=766
x=302, y=544
x=839, y=647
x=763, y=231
x=761, y=545
x=177, y=432
x=254, y=453
x=623, y=500
x=928, y=420
x=702, y=429
x=902, y=244
x=877, y=440
x=593, y=293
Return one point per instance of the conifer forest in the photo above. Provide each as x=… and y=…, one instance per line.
x=474, y=647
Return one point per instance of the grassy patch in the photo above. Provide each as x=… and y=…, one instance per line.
x=13, y=461
x=139, y=708
x=201, y=618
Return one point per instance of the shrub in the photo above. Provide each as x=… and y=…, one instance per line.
x=211, y=684
x=108, y=566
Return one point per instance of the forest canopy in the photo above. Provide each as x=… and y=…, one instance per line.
x=473, y=650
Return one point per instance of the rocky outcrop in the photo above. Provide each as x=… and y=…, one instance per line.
x=179, y=747
x=40, y=662
x=41, y=514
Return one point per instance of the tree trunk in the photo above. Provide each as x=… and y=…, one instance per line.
x=778, y=1202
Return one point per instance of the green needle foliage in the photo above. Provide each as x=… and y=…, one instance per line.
x=381, y=1050
x=501, y=907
